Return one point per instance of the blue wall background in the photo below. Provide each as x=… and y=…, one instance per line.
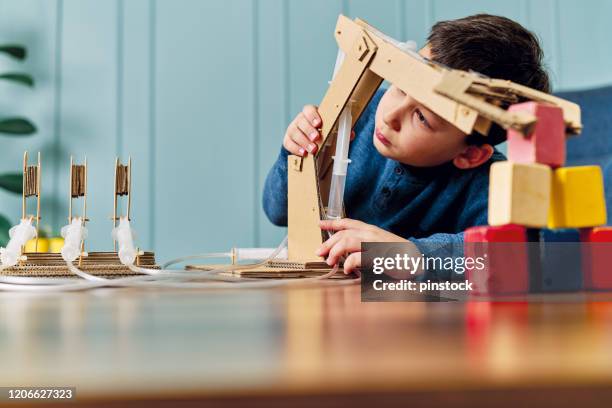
x=199, y=93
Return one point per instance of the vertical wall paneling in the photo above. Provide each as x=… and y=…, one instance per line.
x=415, y=16
x=152, y=107
x=378, y=14
x=54, y=149
x=271, y=107
x=200, y=93
x=585, y=53
x=88, y=112
x=204, y=153
x=31, y=23
x=312, y=50
x=134, y=94
x=256, y=178
x=449, y=9
x=542, y=20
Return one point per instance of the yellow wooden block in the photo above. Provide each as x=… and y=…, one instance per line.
x=577, y=198
x=519, y=193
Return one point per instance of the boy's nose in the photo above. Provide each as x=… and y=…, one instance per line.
x=393, y=119
x=394, y=124
x=395, y=116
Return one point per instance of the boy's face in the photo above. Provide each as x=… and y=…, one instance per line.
x=410, y=133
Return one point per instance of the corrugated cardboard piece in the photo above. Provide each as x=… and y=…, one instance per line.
x=107, y=264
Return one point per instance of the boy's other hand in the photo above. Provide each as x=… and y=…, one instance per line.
x=347, y=241
x=304, y=131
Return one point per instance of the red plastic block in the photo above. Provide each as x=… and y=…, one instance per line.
x=504, y=250
x=597, y=258
x=546, y=144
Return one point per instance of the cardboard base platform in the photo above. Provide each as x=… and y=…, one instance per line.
x=278, y=270
x=51, y=265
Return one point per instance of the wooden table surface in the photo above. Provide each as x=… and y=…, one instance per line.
x=304, y=346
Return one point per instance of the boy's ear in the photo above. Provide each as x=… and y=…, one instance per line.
x=473, y=156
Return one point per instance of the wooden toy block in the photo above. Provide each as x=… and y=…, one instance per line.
x=577, y=198
x=597, y=258
x=504, y=251
x=519, y=194
x=546, y=143
x=560, y=260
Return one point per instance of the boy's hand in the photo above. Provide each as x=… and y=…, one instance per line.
x=347, y=240
x=304, y=131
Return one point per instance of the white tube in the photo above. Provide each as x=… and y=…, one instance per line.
x=252, y=254
x=19, y=235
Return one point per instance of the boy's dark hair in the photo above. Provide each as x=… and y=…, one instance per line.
x=493, y=46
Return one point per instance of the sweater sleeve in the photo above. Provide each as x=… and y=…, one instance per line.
x=445, y=247
x=274, y=195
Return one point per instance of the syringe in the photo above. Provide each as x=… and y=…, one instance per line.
x=341, y=160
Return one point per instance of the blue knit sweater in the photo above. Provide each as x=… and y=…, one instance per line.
x=430, y=206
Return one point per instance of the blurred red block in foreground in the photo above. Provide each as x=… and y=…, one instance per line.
x=506, y=264
x=597, y=258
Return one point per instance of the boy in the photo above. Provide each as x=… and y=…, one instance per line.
x=414, y=177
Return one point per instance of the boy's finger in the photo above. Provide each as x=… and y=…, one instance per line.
x=294, y=148
x=352, y=135
x=342, y=248
x=325, y=247
x=306, y=128
x=336, y=252
x=311, y=113
x=338, y=225
x=352, y=263
x=300, y=138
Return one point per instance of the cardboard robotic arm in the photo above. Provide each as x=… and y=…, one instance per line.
x=468, y=100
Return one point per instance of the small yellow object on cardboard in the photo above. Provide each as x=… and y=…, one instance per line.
x=43, y=245
x=519, y=193
x=56, y=244
x=577, y=198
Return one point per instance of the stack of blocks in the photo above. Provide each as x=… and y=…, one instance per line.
x=551, y=209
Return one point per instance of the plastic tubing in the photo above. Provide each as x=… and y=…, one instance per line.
x=164, y=279
x=179, y=279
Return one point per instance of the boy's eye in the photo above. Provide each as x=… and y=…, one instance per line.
x=421, y=117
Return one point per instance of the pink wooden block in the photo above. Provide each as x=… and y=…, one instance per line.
x=546, y=144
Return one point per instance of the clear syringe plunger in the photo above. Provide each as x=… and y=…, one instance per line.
x=341, y=160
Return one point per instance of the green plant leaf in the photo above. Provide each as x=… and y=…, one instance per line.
x=5, y=226
x=17, y=126
x=23, y=79
x=12, y=182
x=14, y=50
